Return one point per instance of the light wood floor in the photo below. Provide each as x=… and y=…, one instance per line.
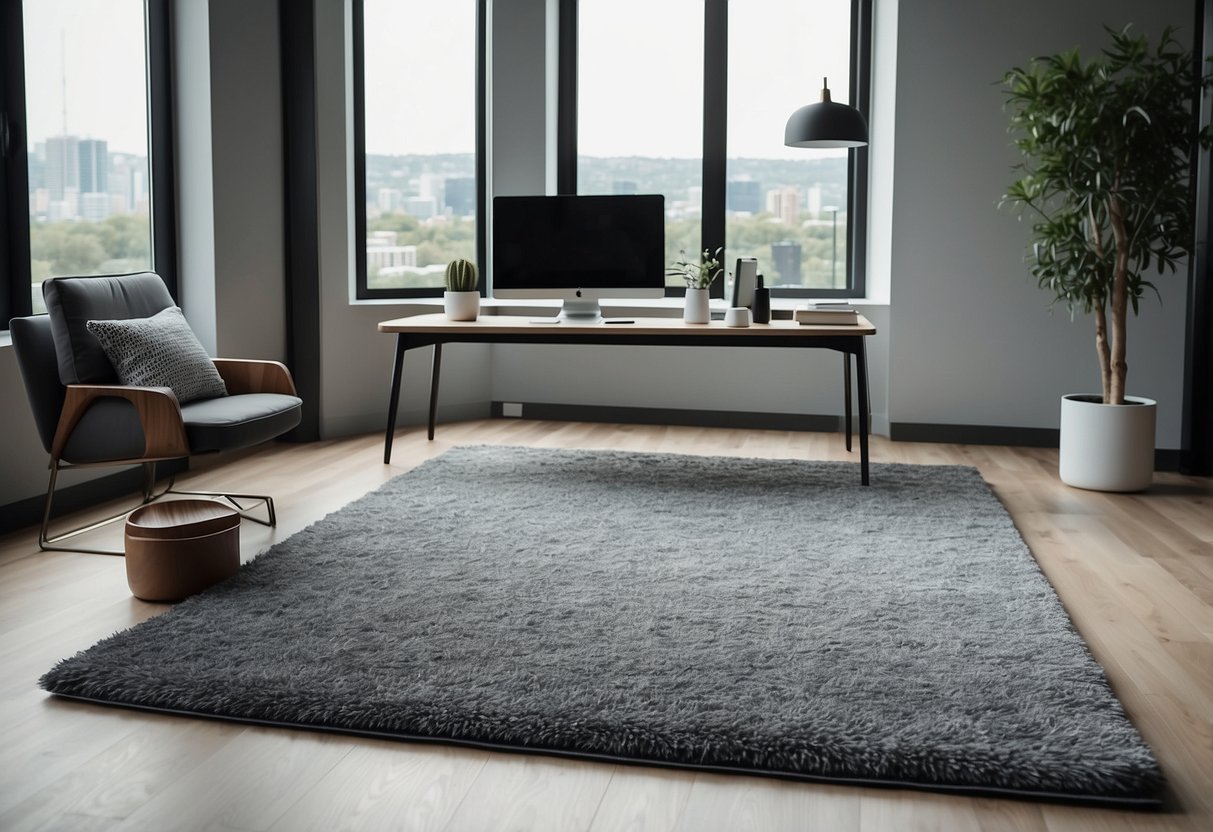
x=1135, y=572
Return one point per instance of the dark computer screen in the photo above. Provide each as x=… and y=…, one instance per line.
x=569, y=242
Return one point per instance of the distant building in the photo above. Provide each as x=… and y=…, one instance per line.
x=743, y=196
x=62, y=166
x=389, y=200
x=459, y=195
x=67, y=208
x=786, y=257
x=784, y=203
x=94, y=166
x=128, y=180
x=430, y=186
x=423, y=208
x=387, y=257
x=815, y=200
x=37, y=171
x=94, y=206
x=624, y=186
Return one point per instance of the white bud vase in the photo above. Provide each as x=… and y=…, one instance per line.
x=696, y=310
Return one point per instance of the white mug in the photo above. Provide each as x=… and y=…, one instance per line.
x=737, y=316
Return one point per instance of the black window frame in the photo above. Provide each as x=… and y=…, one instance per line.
x=362, y=292
x=715, y=127
x=16, y=280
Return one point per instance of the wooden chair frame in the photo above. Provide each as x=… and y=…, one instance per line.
x=165, y=438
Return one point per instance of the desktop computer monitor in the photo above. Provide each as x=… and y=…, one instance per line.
x=579, y=249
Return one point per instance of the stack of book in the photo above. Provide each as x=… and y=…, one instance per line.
x=817, y=314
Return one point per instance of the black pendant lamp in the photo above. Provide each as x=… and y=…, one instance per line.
x=826, y=124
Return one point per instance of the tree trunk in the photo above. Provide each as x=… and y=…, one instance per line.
x=1101, y=320
x=1115, y=394
x=1101, y=347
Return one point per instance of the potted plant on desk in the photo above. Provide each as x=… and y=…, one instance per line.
x=461, y=300
x=1106, y=159
x=698, y=276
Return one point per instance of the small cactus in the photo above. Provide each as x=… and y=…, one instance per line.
x=461, y=276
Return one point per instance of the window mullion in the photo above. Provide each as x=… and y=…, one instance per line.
x=715, y=127
x=14, y=180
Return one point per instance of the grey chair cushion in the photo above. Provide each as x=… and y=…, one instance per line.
x=239, y=421
x=71, y=302
x=160, y=351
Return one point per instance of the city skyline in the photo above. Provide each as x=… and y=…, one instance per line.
x=74, y=178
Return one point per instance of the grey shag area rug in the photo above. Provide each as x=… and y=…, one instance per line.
x=746, y=615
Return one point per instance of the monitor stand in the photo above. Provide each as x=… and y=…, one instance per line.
x=580, y=311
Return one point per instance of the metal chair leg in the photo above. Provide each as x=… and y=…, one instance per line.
x=49, y=543
x=234, y=499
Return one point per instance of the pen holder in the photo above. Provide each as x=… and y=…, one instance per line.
x=762, y=306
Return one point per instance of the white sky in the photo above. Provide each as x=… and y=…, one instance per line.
x=421, y=82
x=641, y=69
x=421, y=85
x=105, y=71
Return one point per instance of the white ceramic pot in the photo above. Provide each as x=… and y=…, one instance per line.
x=1107, y=447
x=697, y=309
x=461, y=306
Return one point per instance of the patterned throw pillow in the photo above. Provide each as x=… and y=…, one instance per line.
x=160, y=351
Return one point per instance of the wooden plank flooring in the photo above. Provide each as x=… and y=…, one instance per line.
x=1135, y=573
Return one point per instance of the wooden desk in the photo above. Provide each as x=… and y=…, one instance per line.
x=435, y=330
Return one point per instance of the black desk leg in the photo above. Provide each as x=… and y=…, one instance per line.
x=846, y=392
x=393, y=399
x=434, y=386
x=865, y=416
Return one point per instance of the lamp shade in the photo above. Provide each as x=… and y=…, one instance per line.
x=826, y=124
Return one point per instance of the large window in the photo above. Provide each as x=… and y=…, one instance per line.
x=786, y=206
x=419, y=142
x=78, y=129
x=636, y=136
x=693, y=104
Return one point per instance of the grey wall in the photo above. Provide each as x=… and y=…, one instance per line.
x=249, y=274
x=966, y=339
x=973, y=342
x=772, y=381
x=195, y=169
x=356, y=359
x=230, y=175
x=23, y=470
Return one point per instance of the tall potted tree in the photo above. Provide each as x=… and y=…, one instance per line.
x=1106, y=148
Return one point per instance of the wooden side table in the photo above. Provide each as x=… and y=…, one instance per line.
x=177, y=548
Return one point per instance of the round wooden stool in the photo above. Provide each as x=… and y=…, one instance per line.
x=177, y=548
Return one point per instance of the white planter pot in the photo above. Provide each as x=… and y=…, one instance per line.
x=461, y=306
x=697, y=310
x=1107, y=447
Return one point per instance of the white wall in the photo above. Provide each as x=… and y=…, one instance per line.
x=973, y=342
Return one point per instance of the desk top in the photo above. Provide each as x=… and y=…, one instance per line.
x=490, y=325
